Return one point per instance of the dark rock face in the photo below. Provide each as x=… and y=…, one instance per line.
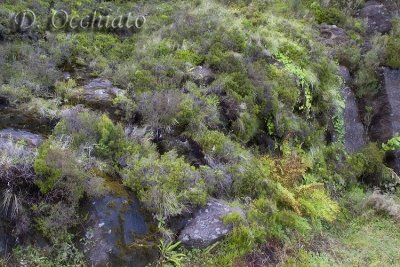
x=355, y=137
x=392, y=89
x=207, y=227
x=332, y=35
x=345, y=73
x=115, y=221
x=24, y=119
x=100, y=92
x=3, y=102
x=18, y=135
x=393, y=160
x=386, y=122
x=378, y=16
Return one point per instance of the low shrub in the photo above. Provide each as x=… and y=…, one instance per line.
x=392, y=52
x=167, y=185
x=111, y=138
x=57, y=167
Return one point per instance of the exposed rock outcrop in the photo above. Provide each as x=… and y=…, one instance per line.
x=115, y=221
x=207, y=227
x=332, y=35
x=386, y=122
x=355, y=137
x=20, y=135
x=378, y=17
x=101, y=92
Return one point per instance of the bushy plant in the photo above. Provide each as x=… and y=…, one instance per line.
x=328, y=15
x=393, y=51
x=56, y=166
x=167, y=185
x=111, y=138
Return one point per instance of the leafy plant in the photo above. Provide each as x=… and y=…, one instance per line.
x=169, y=254
x=392, y=144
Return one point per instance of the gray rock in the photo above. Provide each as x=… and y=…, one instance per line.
x=345, y=73
x=386, y=121
x=202, y=75
x=392, y=89
x=207, y=227
x=101, y=91
x=355, y=136
x=115, y=221
x=17, y=135
x=332, y=35
x=378, y=17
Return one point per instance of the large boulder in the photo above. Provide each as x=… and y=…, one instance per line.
x=101, y=91
x=207, y=226
x=377, y=16
x=332, y=35
x=21, y=135
x=114, y=225
x=98, y=93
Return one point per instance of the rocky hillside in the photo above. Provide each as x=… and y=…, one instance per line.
x=205, y=133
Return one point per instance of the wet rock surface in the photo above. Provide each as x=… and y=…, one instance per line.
x=378, y=17
x=386, y=122
x=207, y=227
x=114, y=225
x=392, y=89
x=21, y=135
x=355, y=137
